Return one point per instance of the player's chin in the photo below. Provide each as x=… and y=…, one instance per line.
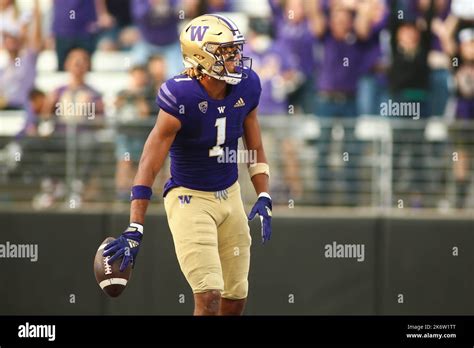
x=232, y=67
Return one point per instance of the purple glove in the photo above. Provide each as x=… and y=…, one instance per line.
x=263, y=207
x=127, y=245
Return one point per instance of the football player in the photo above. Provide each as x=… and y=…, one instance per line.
x=203, y=113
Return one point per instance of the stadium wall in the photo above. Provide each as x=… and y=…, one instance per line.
x=409, y=266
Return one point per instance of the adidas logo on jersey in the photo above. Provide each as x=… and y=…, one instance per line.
x=239, y=103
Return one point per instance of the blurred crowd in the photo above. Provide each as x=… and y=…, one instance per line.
x=330, y=58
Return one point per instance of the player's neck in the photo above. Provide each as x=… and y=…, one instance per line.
x=216, y=89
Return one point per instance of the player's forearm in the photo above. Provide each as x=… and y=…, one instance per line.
x=154, y=155
x=253, y=143
x=145, y=177
x=146, y=174
x=147, y=170
x=138, y=210
x=260, y=183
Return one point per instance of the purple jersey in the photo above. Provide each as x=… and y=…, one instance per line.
x=208, y=127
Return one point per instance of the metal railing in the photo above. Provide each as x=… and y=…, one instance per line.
x=364, y=162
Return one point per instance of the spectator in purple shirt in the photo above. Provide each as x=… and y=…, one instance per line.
x=293, y=31
x=278, y=73
x=158, y=71
x=79, y=106
x=133, y=106
x=278, y=77
x=157, y=21
x=64, y=102
x=76, y=23
x=18, y=76
x=341, y=37
x=122, y=35
x=372, y=85
x=34, y=139
x=33, y=117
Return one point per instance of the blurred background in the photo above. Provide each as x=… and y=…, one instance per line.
x=367, y=114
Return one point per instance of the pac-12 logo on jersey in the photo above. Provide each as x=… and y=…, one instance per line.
x=185, y=199
x=203, y=106
x=198, y=32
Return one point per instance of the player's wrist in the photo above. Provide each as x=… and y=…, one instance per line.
x=141, y=192
x=135, y=227
x=264, y=194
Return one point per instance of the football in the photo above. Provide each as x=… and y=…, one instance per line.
x=109, y=277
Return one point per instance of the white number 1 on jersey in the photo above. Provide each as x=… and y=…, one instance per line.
x=217, y=150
